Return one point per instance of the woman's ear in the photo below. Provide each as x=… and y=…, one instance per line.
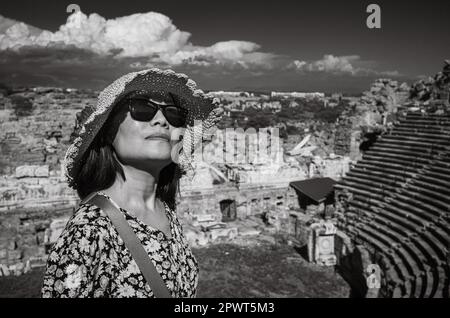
x=177, y=134
x=176, y=152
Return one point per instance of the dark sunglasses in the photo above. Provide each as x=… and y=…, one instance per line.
x=142, y=109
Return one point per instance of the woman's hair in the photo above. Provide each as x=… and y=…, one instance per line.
x=100, y=165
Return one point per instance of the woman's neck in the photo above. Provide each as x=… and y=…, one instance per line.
x=137, y=194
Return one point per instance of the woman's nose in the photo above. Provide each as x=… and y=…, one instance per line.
x=159, y=119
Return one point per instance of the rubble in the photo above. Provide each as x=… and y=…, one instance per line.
x=432, y=91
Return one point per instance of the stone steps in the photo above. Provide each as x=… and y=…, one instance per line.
x=399, y=258
x=398, y=272
x=415, y=255
x=433, y=211
x=400, y=202
x=420, y=141
x=424, y=136
x=398, y=156
x=428, y=218
x=399, y=160
x=411, y=145
x=403, y=231
x=380, y=149
x=439, y=244
x=411, y=128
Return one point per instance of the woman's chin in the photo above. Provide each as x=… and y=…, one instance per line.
x=159, y=156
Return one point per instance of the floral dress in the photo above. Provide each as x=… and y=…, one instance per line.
x=90, y=259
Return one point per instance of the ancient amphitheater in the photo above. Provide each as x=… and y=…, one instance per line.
x=397, y=202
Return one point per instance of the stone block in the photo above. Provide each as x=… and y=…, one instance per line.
x=267, y=238
x=32, y=170
x=248, y=231
x=27, y=267
x=41, y=171
x=195, y=238
x=38, y=261
x=17, y=269
x=14, y=255
x=4, y=270
x=25, y=171
x=12, y=245
x=29, y=239
x=229, y=233
x=30, y=251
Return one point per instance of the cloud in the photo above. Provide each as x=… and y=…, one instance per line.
x=339, y=65
x=151, y=35
x=89, y=51
x=136, y=35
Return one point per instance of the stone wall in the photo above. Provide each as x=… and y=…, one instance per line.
x=250, y=200
x=26, y=235
x=41, y=136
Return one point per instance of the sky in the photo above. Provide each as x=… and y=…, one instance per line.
x=266, y=45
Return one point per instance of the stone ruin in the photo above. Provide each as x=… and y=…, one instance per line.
x=391, y=210
x=374, y=112
x=35, y=201
x=393, y=205
x=395, y=202
x=427, y=91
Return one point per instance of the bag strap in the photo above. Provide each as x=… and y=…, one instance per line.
x=133, y=244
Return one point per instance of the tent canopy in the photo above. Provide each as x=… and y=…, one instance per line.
x=316, y=189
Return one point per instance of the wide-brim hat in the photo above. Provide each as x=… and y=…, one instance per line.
x=201, y=108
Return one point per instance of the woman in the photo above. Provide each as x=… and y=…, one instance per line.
x=128, y=150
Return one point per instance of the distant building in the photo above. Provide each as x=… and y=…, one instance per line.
x=308, y=95
x=231, y=94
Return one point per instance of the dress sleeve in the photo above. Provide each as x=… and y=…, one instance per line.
x=76, y=264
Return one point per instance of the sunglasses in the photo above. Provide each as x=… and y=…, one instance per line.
x=144, y=110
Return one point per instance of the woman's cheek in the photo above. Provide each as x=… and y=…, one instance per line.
x=176, y=151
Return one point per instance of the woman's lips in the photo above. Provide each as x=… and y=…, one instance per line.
x=158, y=138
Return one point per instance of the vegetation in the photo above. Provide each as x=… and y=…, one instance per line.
x=22, y=105
x=304, y=111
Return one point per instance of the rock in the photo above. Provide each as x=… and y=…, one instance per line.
x=17, y=269
x=4, y=270
x=267, y=238
x=230, y=233
x=195, y=238
x=27, y=267
x=248, y=231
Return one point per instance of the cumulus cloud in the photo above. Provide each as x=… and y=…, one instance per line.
x=136, y=35
x=152, y=35
x=90, y=51
x=339, y=65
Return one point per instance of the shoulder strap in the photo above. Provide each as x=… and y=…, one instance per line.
x=135, y=247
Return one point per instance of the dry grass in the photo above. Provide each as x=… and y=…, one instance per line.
x=268, y=270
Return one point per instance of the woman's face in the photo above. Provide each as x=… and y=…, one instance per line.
x=146, y=144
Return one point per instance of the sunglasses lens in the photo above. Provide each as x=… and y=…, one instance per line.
x=175, y=116
x=141, y=110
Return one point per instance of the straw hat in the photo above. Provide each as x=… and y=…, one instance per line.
x=202, y=108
